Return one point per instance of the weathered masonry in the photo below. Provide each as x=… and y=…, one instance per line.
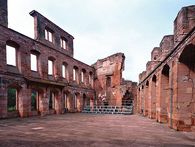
x=111, y=88
x=166, y=90
x=42, y=77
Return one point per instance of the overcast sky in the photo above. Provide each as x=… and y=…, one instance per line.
x=104, y=27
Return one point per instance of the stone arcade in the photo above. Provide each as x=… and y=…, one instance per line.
x=166, y=89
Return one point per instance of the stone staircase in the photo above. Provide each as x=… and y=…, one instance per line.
x=127, y=110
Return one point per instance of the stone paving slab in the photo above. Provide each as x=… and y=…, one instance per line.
x=90, y=130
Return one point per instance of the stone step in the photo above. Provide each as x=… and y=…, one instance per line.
x=127, y=110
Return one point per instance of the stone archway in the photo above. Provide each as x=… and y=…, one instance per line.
x=86, y=101
x=164, y=96
x=127, y=99
x=185, y=90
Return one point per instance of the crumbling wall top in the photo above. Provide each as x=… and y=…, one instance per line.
x=184, y=22
x=45, y=30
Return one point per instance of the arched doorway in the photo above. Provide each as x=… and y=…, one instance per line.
x=164, y=94
x=153, y=97
x=86, y=101
x=127, y=99
x=185, y=86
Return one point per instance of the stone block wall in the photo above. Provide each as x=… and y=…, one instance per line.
x=166, y=92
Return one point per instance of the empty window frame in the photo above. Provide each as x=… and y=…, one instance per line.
x=52, y=100
x=10, y=55
x=108, y=81
x=64, y=68
x=82, y=76
x=63, y=43
x=34, y=100
x=11, y=99
x=50, y=67
x=33, y=62
x=75, y=74
x=48, y=35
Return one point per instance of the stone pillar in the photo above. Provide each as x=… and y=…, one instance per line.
x=146, y=100
x=58, y=102
x=152, y=100
x=158, y=95
x=183, y=98
x=142, y=100
x=92, y=102
x=79, y=103
x=24, y=101
x=163, y=96
x=138, y=100
x=3, y=98
x=69, y=102
x=44, y=102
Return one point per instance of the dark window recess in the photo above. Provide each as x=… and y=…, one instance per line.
x=108, y=82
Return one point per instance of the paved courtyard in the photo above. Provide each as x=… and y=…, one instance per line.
x=90, y=130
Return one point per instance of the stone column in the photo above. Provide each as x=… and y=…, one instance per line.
x=3, y=98
x=146, y=100
x=44, y=102
x=24, y=101
x=152, y=100
x=58, y=102
x=183, y=97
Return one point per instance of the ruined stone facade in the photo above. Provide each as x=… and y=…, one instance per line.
x=111, y=88
x=56, y=83
x=40, y=76
x=166, y=89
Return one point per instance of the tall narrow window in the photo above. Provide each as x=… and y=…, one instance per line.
x=52, y=100
x=11, y=99
x=82, y=77
x=108, y=82
x=74, y=74
x=48, y=35
x=34, y=100
x=64, y=71
x=33, y=62
x=11, y=55
x=50, y=67
x=63, y=43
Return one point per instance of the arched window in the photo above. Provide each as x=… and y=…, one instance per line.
x=64, y=70
x=11, y=55
x=83, y=72
x=75, y=74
